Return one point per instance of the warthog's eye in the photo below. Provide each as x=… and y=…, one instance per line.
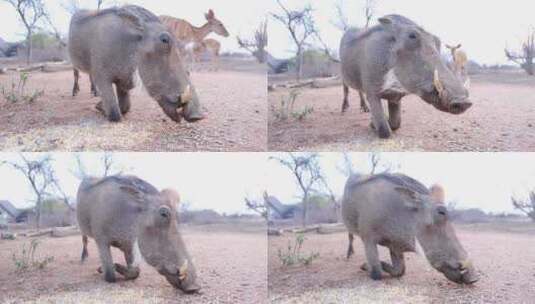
x=164, y=212
x=413, y=36
x=165, y=38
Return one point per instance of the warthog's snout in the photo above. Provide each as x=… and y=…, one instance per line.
x=459, y=107
x=181, y=278
x=461, y=273
x=176, y=106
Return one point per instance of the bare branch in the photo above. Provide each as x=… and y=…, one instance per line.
x=526, y=56
x=257, y=47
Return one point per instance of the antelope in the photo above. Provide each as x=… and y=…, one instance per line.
x=211, y=46
x=459, y=63
x=186, y=33
x=459, y=58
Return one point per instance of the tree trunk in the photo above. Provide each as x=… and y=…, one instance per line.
x=38, y=212
x=299, y=63
x=305, y=209
x=29, y=45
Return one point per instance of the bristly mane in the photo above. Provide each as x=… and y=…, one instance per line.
x=126, y=180
x=395, y=178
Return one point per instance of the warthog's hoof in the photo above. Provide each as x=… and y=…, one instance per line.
x=384, y=132
x=376, y=274
x=115, y=115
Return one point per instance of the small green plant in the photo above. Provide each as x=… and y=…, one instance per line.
x=286, y=108
x=28, y=260
x=17, y=92
x=300, y=115
x=293, y=255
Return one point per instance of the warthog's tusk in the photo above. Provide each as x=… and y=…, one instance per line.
x=183, y=271
x=465, y=264
x=437, y=83
x=186, y=96
x=466, y=83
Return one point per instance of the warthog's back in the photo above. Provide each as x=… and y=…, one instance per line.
x=373, y=200
x=103, y=204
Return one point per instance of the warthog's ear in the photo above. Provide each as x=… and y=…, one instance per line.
x=385, y=20
x=131, y=18
x=411, y=199
x=171, y=195
x=133, y=191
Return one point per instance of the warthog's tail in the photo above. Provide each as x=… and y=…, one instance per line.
x=84, y=248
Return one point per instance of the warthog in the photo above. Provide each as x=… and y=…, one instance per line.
x=111, y=44
x=393, y=59
x=394, y=210
x=130, y=214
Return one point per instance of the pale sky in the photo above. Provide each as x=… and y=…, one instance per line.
x=240, y=17
x=220, y=181
x=473, y=180
x=483, y=27
x=217, y=181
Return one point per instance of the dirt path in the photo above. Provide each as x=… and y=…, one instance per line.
x=234, y=101
x=505, y=261
x=500, y=120
x=231, y=269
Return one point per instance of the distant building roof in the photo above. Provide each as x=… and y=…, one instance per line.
x=284, y=211
x=8, y=208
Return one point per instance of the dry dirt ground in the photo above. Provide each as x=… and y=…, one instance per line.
x=233, y=98
x=501, y=119
x=505, y=261
x=231, y=265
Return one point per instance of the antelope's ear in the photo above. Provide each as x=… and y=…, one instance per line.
x=172, y=195
x=209, y=15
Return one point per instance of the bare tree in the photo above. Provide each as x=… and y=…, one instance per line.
x=258, y=207
x=30, y=12
x=300, y=25
x=369, y=11
x=40, y=176
x=346, y=167
x=108, y=167
x=256, y=47
x=526, y=206
x=71, y=6
x=307, y=172
x=526, y=56
x=341, y=22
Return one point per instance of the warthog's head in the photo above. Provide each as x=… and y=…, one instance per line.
x=419, y=69
x=164, y=76
x=162, y=246
x=438, y=239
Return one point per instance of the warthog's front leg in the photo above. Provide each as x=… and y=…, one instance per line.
x=109, y=104
x=363, y=106
x=379, y=121
x=394, y=113
x=397, y=269
x=107, y=262
x=123, y=96
x=372, y=256
x=131, y=271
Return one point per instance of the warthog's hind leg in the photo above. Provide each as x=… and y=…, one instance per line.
x=107, y=262
x=345, y=103
x=350, y=250
x=93, y=86
x=84, y=248
x=76, y=86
